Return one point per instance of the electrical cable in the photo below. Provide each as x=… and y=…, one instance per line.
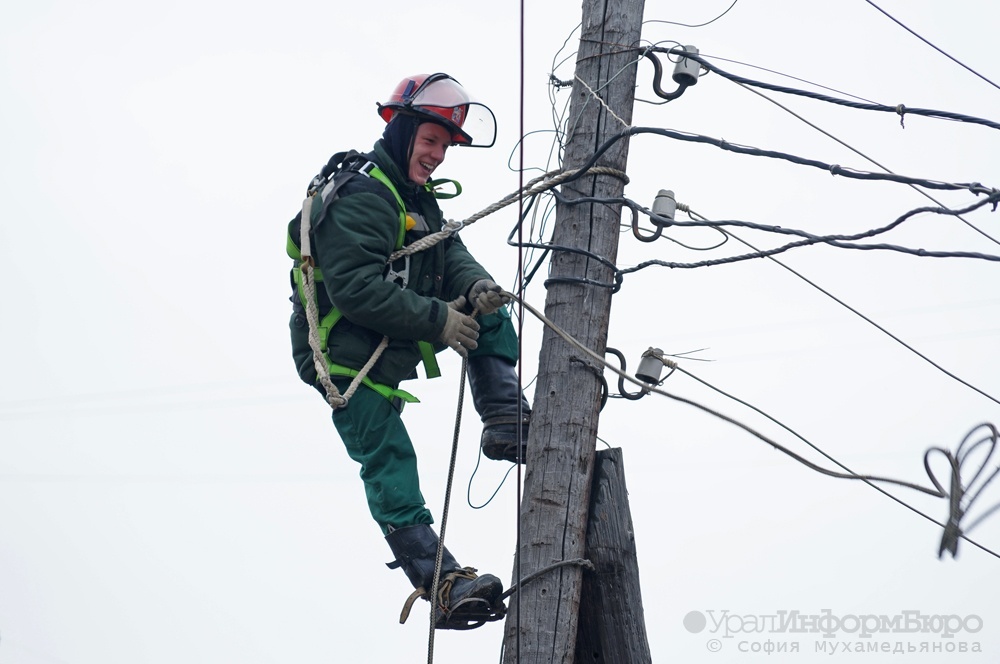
x=974, y=187
x=772, y=71
x=864, y=156
x=848, y=474
x=697, y=25
x=899, y=109
x=960, y=497
x=468, y=493
x=953, y=59
x=593, y=92
x=840, y=241
x=658, y=233
x=647, y=387
x=583, y=252
x=951, y=532
x=834, y=169
x=622, y=392
x=843, y=241
x=769, y=254
x=520, y=343
x=865, y=318
x=559, y=118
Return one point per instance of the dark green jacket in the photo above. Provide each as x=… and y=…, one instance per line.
x=351, y=244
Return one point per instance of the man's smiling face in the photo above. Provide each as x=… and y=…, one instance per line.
x=429, y=147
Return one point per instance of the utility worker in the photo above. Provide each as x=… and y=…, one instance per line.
x=383, y=200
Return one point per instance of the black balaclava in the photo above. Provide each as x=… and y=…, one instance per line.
x=398, y=137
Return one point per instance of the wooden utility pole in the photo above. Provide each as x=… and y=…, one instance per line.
x=612, y=629
x=542, y=621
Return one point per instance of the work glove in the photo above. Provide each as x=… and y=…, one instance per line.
x=460, y=331
x=486, y=296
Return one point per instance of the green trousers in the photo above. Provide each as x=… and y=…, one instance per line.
x=375, y=437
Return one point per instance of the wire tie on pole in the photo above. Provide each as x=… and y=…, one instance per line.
x=580, y=562
x=557, y=83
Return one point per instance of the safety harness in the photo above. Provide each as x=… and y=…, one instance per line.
x=341, y=168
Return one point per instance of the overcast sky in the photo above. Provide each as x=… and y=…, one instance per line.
x=170, y=492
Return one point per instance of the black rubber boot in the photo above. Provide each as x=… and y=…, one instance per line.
x=496, y=393
x=465, y=600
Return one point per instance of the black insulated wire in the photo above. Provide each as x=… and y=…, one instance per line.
x=899, y=109
x=658, y=76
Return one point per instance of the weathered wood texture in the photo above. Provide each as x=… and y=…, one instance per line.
x=611, y=628
x=542, y=622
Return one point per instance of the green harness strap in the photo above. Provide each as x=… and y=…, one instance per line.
x=427, y=354
x=377, y=173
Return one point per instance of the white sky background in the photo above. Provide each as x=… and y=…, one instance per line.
x=170, y=492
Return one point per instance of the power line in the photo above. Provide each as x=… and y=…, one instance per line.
x=951, y=528
x=868, y=320
x=841, y=241
x=834, y=240
x=697, y=25
x=794, y=78
x=950, y=57
x=900, y=109
x=833, y=169
x=992, y=196
x=863, y=156
x=952, y=531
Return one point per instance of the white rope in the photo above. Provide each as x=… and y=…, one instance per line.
x=352, y=388
x=333, y=396
x=591, y=354
x=542, y=183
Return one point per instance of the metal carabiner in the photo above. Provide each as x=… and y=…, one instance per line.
x=400, y=277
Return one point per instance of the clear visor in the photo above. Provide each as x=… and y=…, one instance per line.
x=446, y=98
